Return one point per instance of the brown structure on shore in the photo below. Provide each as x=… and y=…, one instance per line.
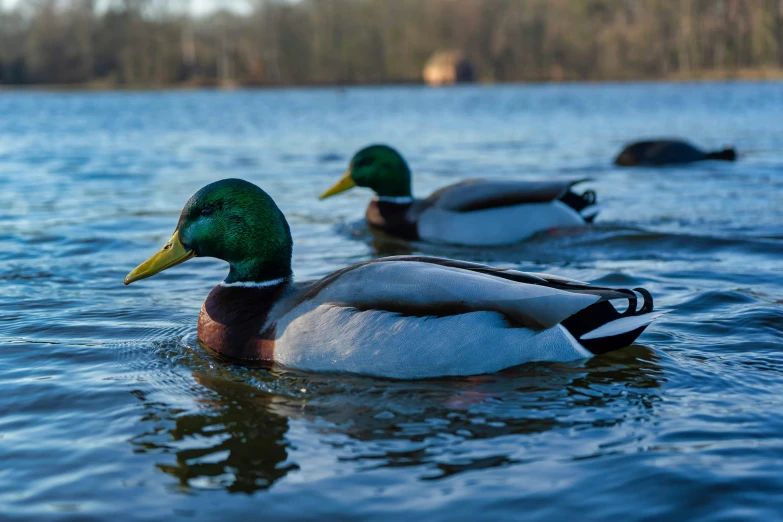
x=448, y=67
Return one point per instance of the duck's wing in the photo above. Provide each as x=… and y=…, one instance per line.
x=480, y=194
x=430, y=286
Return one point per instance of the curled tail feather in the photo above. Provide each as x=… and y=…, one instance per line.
x=600, y=328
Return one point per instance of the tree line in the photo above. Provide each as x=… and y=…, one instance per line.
x=287, y=42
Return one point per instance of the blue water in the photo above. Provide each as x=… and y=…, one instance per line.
x=109, y=409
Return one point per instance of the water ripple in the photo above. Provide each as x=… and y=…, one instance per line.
x=113, y=410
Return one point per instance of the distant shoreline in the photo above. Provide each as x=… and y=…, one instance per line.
x=708, y=76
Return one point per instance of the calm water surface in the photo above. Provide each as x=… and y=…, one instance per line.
x=110, y=409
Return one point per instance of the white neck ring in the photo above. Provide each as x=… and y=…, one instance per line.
x=402, y=200
x=254, y=284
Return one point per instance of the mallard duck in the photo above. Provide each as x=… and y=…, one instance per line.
x=474, y=212
x=400, y=317
x=668, y=152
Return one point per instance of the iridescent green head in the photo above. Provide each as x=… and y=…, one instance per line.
x=378, y=167
x=232, y=220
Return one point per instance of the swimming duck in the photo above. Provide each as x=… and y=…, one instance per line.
x=401, y=317
x=474, y=212
x=668, y=152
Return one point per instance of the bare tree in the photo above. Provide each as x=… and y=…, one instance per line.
x=160, y=42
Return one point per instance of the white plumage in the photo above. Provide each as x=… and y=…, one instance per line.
x=495, y=226
x=330, y=338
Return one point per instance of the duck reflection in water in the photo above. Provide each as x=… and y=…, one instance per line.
x=234, y=441
x=238, y=439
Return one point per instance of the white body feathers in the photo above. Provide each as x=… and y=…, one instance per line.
x=495, y=226
x=331, y=338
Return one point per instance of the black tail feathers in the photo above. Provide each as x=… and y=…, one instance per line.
x=579, y=202
x=592, y=329
x=727, y=154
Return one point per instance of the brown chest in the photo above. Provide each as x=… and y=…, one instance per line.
x=233, y=321
x=393, y=218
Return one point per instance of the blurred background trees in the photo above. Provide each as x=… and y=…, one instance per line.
x=156, y=42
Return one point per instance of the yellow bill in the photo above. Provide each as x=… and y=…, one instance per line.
x=172, y=253
x=345, y=183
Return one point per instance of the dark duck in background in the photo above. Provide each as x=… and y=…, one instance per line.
x=668, y=152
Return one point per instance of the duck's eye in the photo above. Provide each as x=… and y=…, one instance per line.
x=364, y=162
x=206, y=211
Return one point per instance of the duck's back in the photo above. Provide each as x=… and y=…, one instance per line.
x=482, y=194
x=659, y=152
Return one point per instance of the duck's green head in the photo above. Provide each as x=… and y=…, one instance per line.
x=232, y=220
x=378, y=167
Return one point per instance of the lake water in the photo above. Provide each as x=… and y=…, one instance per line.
x=110, y=410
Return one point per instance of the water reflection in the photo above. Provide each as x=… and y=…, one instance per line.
x=387, y=245
x=237, y=439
